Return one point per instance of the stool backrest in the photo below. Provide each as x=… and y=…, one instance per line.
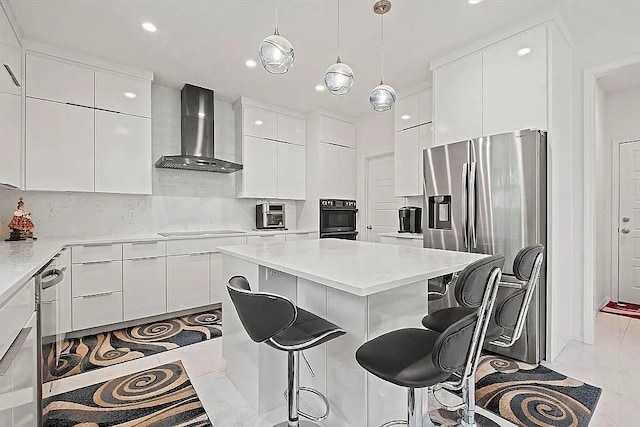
x=524, y=263
x=458, y=348
x=472, y=281
x=262, y=314
x=511, y=312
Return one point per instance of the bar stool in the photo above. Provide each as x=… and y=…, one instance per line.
x=511, y=311
x=423, y=359
x=278, y=322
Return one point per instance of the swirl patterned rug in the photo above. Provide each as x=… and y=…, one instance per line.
x=161, y=396
x=532, y=395
x=91, y=352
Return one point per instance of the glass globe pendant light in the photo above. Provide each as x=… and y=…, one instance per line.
x=276, y=52
x=339, y=77
x=383, y=96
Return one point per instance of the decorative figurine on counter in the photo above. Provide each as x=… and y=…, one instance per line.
x=21, y=225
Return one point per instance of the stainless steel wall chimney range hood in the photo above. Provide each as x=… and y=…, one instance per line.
x=197, y=135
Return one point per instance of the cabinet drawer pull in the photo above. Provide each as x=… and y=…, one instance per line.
x=145, y=258
x=103, y=294
x=13, y=351
x=95, y=245
x=145, y=243
x=2, y=184
x=97, y=262
x=13, y=76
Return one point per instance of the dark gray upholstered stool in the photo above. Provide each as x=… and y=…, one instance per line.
x=508, y=322
x=422, y=359
x=278, y=322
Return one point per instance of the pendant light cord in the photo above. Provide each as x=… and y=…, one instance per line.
x=338, y=28
x=382, y=48
x=277, y=18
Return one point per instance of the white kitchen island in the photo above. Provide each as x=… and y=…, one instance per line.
x=365, y=288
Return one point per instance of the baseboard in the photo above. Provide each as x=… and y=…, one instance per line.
x=604, y=302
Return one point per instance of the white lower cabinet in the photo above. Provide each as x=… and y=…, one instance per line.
x=217, y=282
x=401, y=241
x=187, y=281
x=266, y=239
x=303, y=236
x=18, y=380
x=144, y=287
x=91, y=311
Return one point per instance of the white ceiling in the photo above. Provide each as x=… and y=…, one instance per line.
x=206, y=42
x=622, y=79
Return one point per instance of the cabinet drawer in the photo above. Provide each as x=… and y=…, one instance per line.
x=97, y=310
x=304, y=236
x=92, y=253
x=15, y=314
x=144, y=250
x=196, y=246
x=96, y=278
x=266, y=239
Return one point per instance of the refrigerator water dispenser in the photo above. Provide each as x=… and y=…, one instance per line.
x=440, y=212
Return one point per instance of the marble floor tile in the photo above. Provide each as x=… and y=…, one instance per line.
x=223, y=402
x=198, y=359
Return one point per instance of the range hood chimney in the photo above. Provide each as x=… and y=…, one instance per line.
x=197, y=135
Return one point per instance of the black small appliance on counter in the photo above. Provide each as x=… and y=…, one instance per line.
x=410, y=218
x=338, y=219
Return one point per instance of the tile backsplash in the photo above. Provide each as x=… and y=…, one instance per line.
x=181, y=200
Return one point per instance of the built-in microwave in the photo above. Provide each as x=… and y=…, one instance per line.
x=338, y=219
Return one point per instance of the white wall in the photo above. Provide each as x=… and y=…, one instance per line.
x=603, y=193
x=181, y=200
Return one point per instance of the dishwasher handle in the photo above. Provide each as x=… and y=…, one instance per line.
x=50, y=278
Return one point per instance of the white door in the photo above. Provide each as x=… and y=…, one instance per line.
x=629, y=223
x=382, y=214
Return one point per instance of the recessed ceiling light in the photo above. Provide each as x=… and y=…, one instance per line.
x=319, y=88
x=405, y=117
x=202, y=115
x=474, y=1
x=258, y=122
x=149, y=27
x=250, y=63
x=524, y=51
x=130, y=95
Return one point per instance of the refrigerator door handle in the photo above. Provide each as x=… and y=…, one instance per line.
x=472, y=205
x=465, y=172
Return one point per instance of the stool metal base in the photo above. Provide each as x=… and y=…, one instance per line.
x=301, y=423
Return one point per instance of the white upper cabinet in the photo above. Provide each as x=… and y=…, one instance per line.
x=259, y=122
x=60, y=147
x=339, y=132
x=292, y=175
x=337, y=171
x=515, y=83
x=347, y=134
x=407, y=112
x=291, y=129
x=458, y=100
x=10, y=139
x=329, y=130
x=259, y=168
x=11, y=69
x=426, y=106
x=123, y=153
x=116, y=92
x=406, y=163
x=59, y=81
x=347, y=172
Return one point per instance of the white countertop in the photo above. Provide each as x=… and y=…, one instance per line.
x=414, y=236
x=360, y=268
x=21, y=260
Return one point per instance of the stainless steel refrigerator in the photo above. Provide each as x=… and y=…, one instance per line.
x=489, y=195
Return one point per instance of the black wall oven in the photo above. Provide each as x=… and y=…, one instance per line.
x=338, y=219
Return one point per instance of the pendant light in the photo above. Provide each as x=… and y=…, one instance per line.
x=339, y=77
x=383, y=96
x=276, y=52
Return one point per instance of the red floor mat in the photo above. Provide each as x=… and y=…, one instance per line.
x=622, y=309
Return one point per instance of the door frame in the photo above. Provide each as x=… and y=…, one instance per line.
x=367, y=160
x=590, y=81
x=615, y=214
